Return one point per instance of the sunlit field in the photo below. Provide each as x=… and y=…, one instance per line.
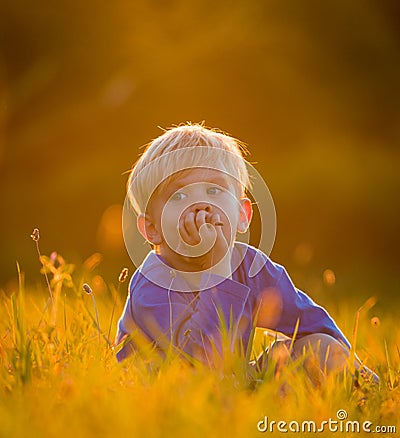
x=59, y=375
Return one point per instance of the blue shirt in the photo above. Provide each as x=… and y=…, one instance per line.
x=192, y=320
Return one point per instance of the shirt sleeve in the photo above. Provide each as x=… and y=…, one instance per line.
x=193, y=325
x=299, y=306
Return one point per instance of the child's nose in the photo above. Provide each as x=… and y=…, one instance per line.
x=202, y=206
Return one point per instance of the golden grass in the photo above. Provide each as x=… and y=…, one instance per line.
x=60, y=378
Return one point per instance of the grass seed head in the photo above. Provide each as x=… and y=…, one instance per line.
x=123, y=275
x=87, y=288
x=35, y=235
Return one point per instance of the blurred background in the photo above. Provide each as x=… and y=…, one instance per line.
x=312, y=87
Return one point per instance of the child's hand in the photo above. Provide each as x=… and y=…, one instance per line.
x=202, y=238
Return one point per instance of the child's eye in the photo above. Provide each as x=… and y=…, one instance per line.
x=178, y=196
x=213, y=190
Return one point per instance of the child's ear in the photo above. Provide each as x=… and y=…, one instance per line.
x=148, y=230
x=245, y=215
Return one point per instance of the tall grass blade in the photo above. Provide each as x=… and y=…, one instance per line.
x=392, y=378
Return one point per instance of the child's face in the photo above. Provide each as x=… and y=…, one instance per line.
x=180, y=214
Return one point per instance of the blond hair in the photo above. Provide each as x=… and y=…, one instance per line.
x=183, y=147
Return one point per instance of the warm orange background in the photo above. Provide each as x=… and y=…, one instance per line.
x=312, y=87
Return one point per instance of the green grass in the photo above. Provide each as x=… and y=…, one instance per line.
x=59, y=376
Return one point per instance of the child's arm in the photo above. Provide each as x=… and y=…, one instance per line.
x=296, y=305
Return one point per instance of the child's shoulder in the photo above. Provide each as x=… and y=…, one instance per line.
x=256, y=263
x=154, y=276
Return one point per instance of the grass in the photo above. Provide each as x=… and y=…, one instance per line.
x=59, y=376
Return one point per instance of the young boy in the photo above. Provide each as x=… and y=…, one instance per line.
x=189, y=192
